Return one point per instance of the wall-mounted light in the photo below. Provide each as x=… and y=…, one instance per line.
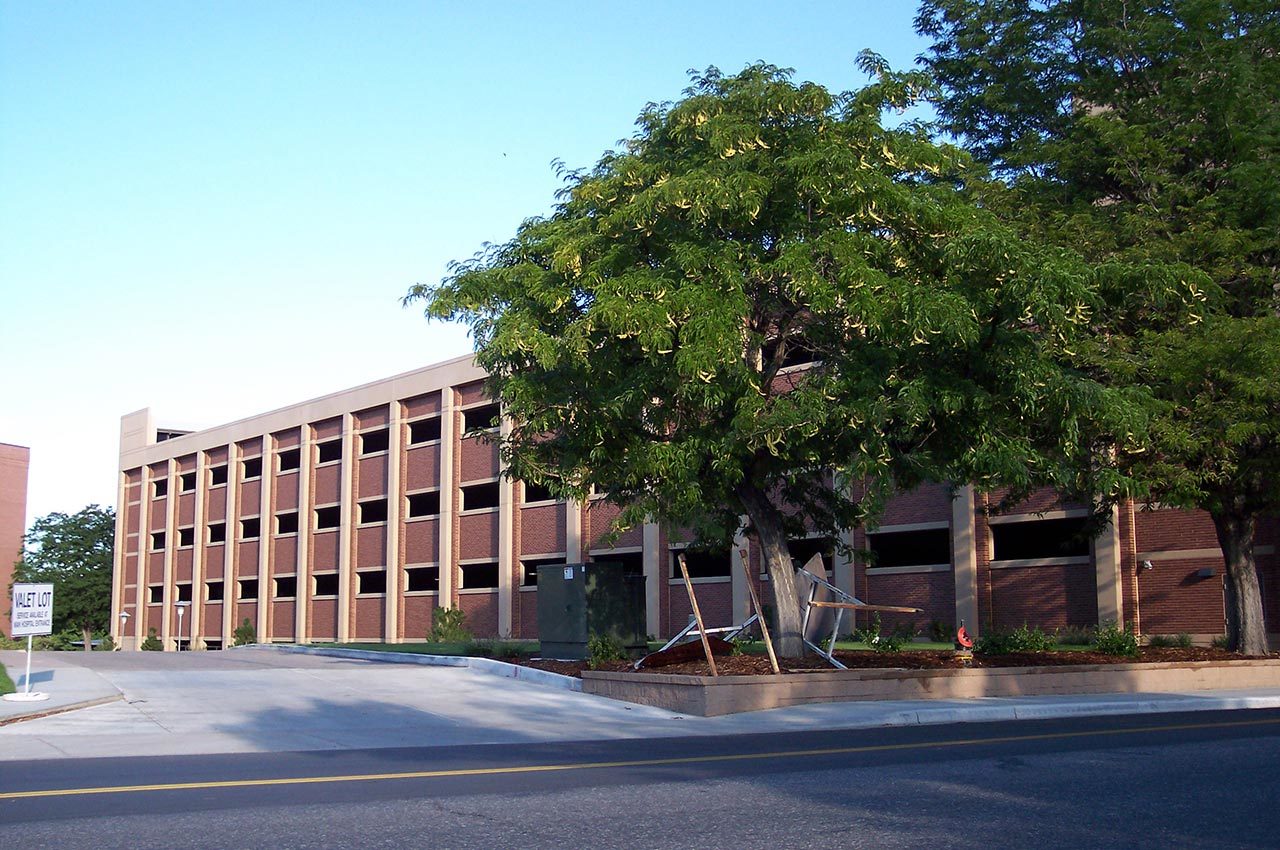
x=1146, y=565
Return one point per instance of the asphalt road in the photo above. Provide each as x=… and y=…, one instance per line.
x=1204, y=779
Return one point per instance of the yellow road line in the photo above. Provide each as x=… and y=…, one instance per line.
x=598, y=765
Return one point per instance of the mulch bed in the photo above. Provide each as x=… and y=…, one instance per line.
x=758, y=665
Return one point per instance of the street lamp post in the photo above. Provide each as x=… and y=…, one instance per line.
x=182, y=609
x=124, y=624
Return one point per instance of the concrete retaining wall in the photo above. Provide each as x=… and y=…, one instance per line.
x=708, y=696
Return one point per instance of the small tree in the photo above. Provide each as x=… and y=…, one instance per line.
x=244, y=634
x=770, y=305
x=151, y=643
x=73, y=552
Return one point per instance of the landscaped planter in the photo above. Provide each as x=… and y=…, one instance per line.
x=708, y=696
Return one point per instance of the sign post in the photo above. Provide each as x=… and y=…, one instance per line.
x=32, y=615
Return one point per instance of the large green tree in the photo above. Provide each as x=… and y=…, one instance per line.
x=1148, y=132
x=647, y=337
x=74, y=553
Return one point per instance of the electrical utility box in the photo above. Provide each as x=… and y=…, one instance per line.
x=576, y=601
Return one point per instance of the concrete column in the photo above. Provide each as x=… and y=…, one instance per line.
x=170, y=550
x=230, y=585
x=118, y=578
x=964, y=557
x=1106, y=563
x=448, y=495
x=573, y=550
x=395, y=526
x=196, y=614
x=741, y=596
x=306, y=527
x=144, y=553
x=346, y=540
x=653, y=579
x=266, y=527
x=506, y=540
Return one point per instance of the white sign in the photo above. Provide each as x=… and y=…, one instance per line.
x=32, y=612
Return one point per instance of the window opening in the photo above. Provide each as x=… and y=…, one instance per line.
x=374, y=442
x=419, y=579
x=329, y=451
x=290, y=459
x=479, y=575
x=374, y=510
x=424, y=430
x=481, y=418
x=424, y=504
x=371, y=581
x=326, y=584
x=477, y=496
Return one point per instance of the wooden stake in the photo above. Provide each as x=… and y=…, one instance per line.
x=697, y=615
x=755, y=602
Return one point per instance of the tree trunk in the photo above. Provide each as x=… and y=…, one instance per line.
x=767, y=522
x=87, y=634
x=1246, y=623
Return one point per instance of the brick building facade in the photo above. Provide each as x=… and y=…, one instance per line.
x=14, y=461
x=354, y=516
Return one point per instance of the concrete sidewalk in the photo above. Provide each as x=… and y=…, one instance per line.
x=68, y=685
x=272, y=700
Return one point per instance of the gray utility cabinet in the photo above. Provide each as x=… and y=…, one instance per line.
x=576, y=601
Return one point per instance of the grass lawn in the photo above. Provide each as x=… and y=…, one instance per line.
x=6, y=684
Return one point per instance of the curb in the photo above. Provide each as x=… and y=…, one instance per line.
x=1006, y=713
x=488, y=666
x=61, y=709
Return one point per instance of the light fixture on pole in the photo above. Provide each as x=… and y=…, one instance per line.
x=182, y=609
x=124, y=625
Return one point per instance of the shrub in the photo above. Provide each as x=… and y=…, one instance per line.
x=448, y=625
x=1074, y=635
x=151, y=643
x=1021, y=639
x=940, y=632
x=244, y=634
x=107, y=644
x=496, y=648
x=602, y=649
x=1110, y=639
x=872, y=637
x=1221, y=642
x=1181, y=641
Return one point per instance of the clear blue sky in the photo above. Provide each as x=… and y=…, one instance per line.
x=213, y=209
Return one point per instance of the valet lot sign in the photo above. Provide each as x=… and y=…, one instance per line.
x=31, y=614
x=32, y=611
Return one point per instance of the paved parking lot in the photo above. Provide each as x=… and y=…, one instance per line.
x=264, y=700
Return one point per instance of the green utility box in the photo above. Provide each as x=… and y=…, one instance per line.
x=576, y=601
